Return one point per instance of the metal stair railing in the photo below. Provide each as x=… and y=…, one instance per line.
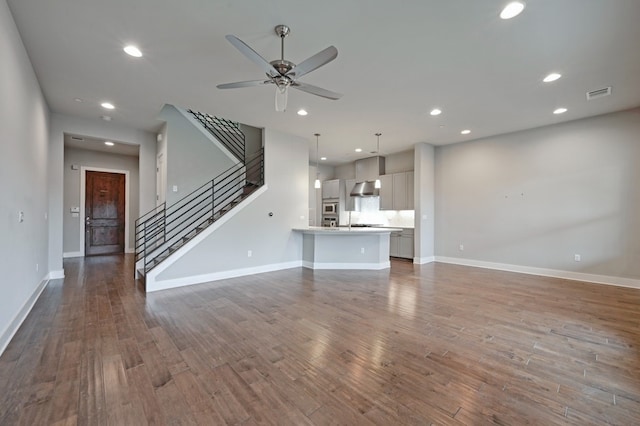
x=226, y=131
x=165, y=229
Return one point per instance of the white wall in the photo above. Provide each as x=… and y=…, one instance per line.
x=192, y=159
x=99, y=129
x=24, y=123
x=424, y=202
x=270, y=238
x=538, y=197
x=82, y=158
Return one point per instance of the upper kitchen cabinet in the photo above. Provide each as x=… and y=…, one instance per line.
x=386, y=192
x=403, y=191
x=396, y=192
x=350, y=202
x=331, y=188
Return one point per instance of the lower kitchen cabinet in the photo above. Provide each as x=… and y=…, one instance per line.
x=401, y=244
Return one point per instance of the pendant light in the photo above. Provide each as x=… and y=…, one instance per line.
x=378, y=184
x=317, y=183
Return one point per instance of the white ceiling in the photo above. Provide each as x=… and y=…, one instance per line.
x=396, y=61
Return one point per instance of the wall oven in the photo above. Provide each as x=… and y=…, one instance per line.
x=329, y=207
x=330, y=221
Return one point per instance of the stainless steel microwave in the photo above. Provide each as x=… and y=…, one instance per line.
x=329, y=208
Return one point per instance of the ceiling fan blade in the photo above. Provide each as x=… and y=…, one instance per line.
x=315, y=90
x=314, y=62
x=239, y=84
x=252, y=55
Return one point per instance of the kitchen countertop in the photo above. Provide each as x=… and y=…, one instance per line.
x=345, y=230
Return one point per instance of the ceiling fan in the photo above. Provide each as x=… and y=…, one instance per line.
x=283, y=73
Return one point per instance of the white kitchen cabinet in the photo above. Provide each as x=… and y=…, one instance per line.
x=397, y=191
x=386, y=192
x=331, y=188
x=405, y=244
x=410, y=186
x=350, y=202
x=394, y=244
x=401, y=244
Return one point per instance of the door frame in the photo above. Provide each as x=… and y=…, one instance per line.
x=83, y=190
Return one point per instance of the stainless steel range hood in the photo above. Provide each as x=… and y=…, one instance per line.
x=365, y=189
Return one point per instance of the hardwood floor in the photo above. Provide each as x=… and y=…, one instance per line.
x=430, y=344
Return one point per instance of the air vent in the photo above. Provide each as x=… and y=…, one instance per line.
x=598, y=93
x=76, y=138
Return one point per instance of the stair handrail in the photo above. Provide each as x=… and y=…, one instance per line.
x=165, y=228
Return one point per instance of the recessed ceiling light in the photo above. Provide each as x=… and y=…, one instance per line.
x=133, y=51
x=435, y=111
x=465, y=132
x=109, y=143
x=560, y=111
x=78, y=100
x=552, y=77
x=358, y=149
x=106, y=118
x=107, y=105
x=512, y=10
x=302, y=112
x=323, y=158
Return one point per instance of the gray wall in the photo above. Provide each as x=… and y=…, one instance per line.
x=192, y=159
x=99, y=129
x=269, y=238
x=72, y=235
x=536, y=198
x=24, y=123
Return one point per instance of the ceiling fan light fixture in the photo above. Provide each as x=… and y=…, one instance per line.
x=282, y=93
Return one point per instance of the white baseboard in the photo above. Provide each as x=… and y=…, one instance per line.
x=554, y=273
x=423, y=260
x=11, y=330
x=155, y=285
x=362, y=266
x=55, y=275
x=72, y=254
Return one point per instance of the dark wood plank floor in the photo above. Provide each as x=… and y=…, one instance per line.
x=430, y=344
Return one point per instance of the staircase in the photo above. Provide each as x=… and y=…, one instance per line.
x=165, y=229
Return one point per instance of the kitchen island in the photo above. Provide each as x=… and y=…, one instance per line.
x=345, y=248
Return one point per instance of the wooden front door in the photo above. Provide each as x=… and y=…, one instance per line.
x=104, y=211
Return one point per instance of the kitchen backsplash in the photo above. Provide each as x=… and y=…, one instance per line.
x=371, y=214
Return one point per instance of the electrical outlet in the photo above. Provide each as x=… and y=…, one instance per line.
x=249, y=253
x=20, y=217
x=577, y=257
x=461, y=247
x=361, y=250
